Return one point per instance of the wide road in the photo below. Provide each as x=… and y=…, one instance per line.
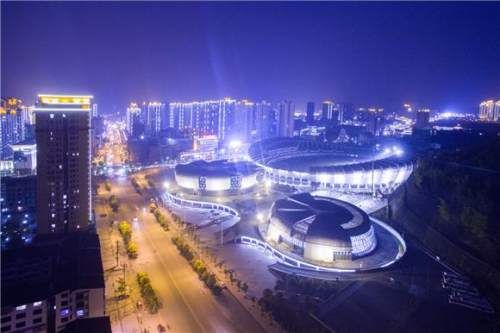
x=188, y=306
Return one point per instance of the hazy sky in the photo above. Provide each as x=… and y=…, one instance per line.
x=444, y=55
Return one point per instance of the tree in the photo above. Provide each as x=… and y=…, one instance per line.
x=132, y=250
x=107, y=185
x=209, y=279
x=113, y=203
x=151, y=300
x=121, y=288
x=125, y=230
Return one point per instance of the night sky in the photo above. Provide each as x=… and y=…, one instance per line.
x=442, y=55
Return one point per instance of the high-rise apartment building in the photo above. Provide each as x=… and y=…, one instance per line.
x=327, y=110
x=330, y=112
x=205, y=118
x=154, y=113
x=13, y=119
x=286, y=110
x=95, y=113
x=310, y=113
x=63, y=163
x=244, y=123
x=346, y=112
x=54, y=285
x=133, y=120
x=489, y=110
x=227, y=119
x=264, y=121
x=375, y=120
x=422, y=120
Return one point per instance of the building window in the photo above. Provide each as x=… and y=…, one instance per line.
x=21, y=324
x=21, y=315
x=37, y=320
x=5, y=328
x=37, y=311
x=5, y=319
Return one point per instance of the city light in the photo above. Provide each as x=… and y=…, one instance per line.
x=235, y=144
x=397, y=151
x=162, y=184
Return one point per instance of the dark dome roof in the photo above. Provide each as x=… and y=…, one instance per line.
x=320, y=219
x=219, y=168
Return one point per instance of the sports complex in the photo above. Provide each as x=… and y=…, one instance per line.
x=305, y=227
x=307, y=164
x=217, y=176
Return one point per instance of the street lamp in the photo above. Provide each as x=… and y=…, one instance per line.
x=260, y=217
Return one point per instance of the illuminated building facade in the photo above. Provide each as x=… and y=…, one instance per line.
x=346, y=112
x=244, y=125
x=263, y=121
x=321, y=229
x=95, y=112
x=63, y=163
x=216, y=176
x=24, y=158
x=329, y=112
x=375, y=121
x=489, y=110
x=286, y=110
x=13, y=119
x=133, y=120
x=204, y=118
x=155, y=111
x=18, y=206
x=308, y=164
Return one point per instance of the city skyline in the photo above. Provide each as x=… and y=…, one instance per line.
x=249, y=167
x=321, y=56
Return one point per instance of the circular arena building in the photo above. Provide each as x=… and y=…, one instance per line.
x=310, y=164
x=217, y=176
x=321, y=229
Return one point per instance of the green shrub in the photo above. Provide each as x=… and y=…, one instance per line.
x=125, y=230
x=151, y=300
x=132, y=250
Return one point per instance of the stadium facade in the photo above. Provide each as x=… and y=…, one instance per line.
x=220, y=176
x=308, y=164
x=320, y=229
